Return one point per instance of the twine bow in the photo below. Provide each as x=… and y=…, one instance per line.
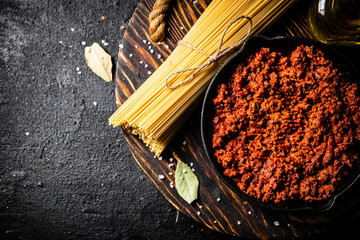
x=212, y=58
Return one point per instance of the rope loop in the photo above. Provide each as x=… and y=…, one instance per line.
x=212, y=58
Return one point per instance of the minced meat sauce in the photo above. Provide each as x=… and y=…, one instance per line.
x=287, y=126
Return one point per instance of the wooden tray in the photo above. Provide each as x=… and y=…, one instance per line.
x=217, y=207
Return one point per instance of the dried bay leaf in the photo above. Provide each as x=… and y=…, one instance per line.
x=99, y=61
x=186, y=182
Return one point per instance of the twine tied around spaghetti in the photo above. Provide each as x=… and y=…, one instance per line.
x=212, y=58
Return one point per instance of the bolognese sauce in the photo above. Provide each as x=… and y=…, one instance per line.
x=287, y=126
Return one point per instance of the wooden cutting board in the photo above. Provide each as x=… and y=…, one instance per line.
x=217, y=207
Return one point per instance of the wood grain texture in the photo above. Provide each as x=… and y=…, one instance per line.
x=218, y=207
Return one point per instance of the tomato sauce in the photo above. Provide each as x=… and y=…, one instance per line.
x=287, y=126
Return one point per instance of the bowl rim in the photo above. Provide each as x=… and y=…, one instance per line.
x=204, y=124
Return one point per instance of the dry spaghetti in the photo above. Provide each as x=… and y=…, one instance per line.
x=156, y=113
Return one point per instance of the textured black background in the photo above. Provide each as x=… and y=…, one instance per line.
x=64, y=173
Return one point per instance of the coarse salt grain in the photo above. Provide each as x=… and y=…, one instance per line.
x=238, y=222
x=136, y=46
x=167, y=46
x=215, y=221
x=200, y=206
x=161, y=177
x=79, y=72
x=158, y=43
x=182, y=178
x=146, y=66
x=130, y=55
x=172, y=185
x=198, y=213
x=105, y=43
x=171, y=159
x=95, y=104
x=154, y=156
x=144, y=41
x=160, y=158
x=83, y=43
x=249, y=212
x=169, y=29
x=195, y=2
x=88, y=49
x=60, y=42
x=184, y=171
x=181, y=27
x=27, y=133
x=149, y=72
x=171, y=165
x=149, y=47
x=170, y=173
x=141, y=62
x=193, y=169
x=149, y=43
x=159, y=56
x=218, y=199
x=276, y=223
x=184, y=142
x=77, y=69
x=151, y=50
x=121, y=46
x=72, y=29
x=191, y=164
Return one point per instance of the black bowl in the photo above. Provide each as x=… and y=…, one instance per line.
x=281, y=44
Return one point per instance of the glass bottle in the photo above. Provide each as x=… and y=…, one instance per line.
x=335, y=22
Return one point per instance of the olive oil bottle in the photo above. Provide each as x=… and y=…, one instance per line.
x=335, y=22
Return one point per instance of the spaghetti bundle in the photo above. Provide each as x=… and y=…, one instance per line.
x=154, y=112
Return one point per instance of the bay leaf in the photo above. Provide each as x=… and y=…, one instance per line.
x=99, y=61
x=186, y=182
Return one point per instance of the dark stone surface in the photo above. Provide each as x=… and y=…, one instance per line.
x=64, y=173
